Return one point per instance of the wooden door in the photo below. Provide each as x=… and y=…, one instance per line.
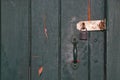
x=54, y=53
x=39, y=33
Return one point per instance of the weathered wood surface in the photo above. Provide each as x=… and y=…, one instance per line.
x=72, y=12
x=15, y=43
x=97, y=42
x=14, y=39
x=45, y=50
x=113, y=40
x=90, y=52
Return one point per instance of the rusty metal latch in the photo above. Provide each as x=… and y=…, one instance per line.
x=92, y=25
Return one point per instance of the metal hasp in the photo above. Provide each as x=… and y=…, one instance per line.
x=75, y=61
x=92, y=25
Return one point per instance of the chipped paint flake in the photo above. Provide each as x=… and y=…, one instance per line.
x=40, y=70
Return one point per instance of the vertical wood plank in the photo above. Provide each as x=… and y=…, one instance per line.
x=0, y=42
x=73, y=12
x=113, y=40
x=45, y=51
x=97, y=43
x=14, y=39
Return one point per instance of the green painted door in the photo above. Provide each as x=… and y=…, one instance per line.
x=39, y=33
x=55, y=52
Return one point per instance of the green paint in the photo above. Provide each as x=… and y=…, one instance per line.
x=14, y=40
x=113, y=40
x=55, y=53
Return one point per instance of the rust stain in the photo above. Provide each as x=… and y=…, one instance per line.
x=83, y=26
x=45, y=28
x=45, y=31
x=102, y=25
x=89, y=11
x=40, y=70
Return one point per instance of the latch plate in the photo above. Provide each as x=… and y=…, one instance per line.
x=93, y=25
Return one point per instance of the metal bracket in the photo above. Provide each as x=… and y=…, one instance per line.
x=94, y=25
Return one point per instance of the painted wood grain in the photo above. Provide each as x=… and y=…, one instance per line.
x=73, y=12
x=14, y=39
x=113, y=40
x=45, y=50
x=93, y=48
x=97, y=43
